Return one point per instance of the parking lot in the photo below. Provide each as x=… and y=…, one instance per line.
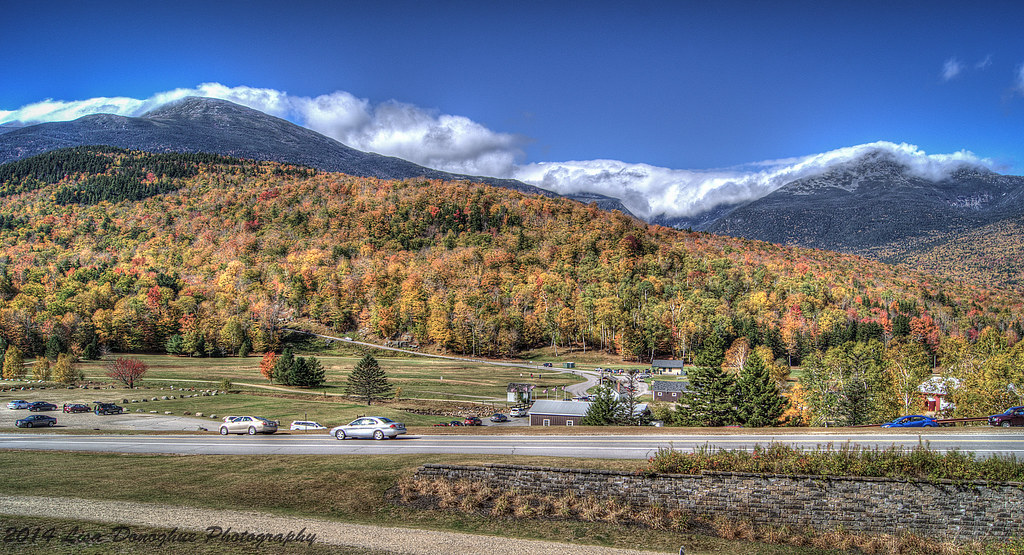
x=130, y=420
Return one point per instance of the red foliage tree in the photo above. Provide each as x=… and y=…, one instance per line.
x=127, y=370
x=267, y=366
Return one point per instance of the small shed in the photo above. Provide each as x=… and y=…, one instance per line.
x=558, y=413
x=664, y=390
x=570, y=365
x=934, y=391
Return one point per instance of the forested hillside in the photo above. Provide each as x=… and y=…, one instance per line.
x=198, y=255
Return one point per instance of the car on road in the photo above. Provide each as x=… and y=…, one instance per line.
x=472, y=421
x=40, y=406
x=307, y=425
x=107, y=408
x=1013, y=416
x=36, y=420
x=251, y=425
x=499, y=417
x=75, y=407
x=518, y=411
x=19, y=404
x=547, y=365
x=912, y=421
x=377, y=427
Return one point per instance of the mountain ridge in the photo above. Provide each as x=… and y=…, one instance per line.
x=238, y=131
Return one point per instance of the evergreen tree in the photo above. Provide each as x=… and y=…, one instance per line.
x=92, y=350
x=605, y=409
x=54, y=347
x=284, y=365
x=712, y=353
x=760, y=403
x=307, y=372
x=368, y=380
x=710, y=400
x=174, y=344
x=245, y=348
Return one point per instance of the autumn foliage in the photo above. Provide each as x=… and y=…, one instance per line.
x=127, y=370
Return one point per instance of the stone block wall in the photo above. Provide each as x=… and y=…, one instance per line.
x=941, y=509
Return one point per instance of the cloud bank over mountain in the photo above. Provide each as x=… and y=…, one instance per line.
x=457, y=144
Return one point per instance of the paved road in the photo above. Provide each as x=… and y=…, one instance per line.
x=983, y=443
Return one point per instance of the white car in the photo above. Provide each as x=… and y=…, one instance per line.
x=13, y=405
x=377, y=427
x=518, y=411
x=307, y=425
x=251, y=425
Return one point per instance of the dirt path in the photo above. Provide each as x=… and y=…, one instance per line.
x=246, y=525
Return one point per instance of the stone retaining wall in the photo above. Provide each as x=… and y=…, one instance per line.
x=942, y=509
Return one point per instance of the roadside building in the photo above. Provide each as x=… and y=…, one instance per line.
x=934, y=392
x=558, y=413
x=667, y=390
x=659, y=366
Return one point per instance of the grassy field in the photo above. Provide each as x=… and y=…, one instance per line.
x=345, y=488
x=418, y=378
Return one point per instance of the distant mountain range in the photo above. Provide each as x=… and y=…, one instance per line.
x=198, y=124
x=965, y=223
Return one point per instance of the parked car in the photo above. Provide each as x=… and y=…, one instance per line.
x=1013, y=416
x=455, y=423
x=518, y=411
x=547, y=365
x=442, y=424
x=107, y=408
x=377, y=427
x=19, y=404
x=35, y=420
x=40, y=406
x=498, y=417
x=251, y=425
x=472, y=421
x=912, y=421
x=307, y=425
x=76, y=407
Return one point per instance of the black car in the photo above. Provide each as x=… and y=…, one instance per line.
x=35, y=420
x=39, y=406
x=1014, y=416
x=107, y=408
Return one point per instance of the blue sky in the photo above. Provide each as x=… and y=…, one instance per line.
x=666, y=85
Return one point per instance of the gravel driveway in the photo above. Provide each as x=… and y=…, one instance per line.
x=247, y=526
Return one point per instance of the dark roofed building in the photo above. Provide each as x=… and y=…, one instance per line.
x=558, y=413
x=668, y=390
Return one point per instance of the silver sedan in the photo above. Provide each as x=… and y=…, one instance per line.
x=251, y=425
x=377, y=427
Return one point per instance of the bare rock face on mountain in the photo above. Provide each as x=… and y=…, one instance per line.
x=877, y=206
x=196, y=124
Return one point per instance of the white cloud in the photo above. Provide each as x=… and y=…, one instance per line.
x=441, y=141
x=951, y=69
x=984, y=63
x=1018, y=82
x=650, y=190
x=455, y=143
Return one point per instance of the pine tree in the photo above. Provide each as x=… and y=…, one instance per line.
x=605, y=409
x=284, y=365
x=54, y=347
x=307, y=372
x=368, y=380
x=710, y=400
x=760, y=403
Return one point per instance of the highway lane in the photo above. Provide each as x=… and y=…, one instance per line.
x=984, y=444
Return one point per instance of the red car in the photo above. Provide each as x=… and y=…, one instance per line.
x=76, y=407
x=472, y=421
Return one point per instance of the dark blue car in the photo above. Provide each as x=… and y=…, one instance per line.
x=912, y=421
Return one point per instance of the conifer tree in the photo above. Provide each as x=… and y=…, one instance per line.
x=368, y=381
x=710, y=400
x=283, y=366
x=307, y=372
x=760, y=403
x=605, y=409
